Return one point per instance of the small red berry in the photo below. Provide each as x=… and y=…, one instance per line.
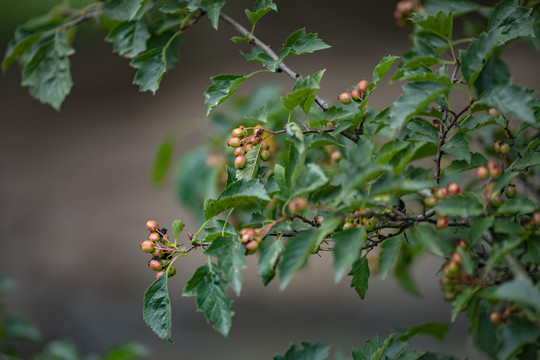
x=265, y=155
x=240, y=162
x=345, y=98
x=450, y=269
x=495, y=317
x=155, y=265
x=440, y=193
x=363, y=86
x=356, y=94
x=442, y=223
x=246, y=235
x=482, y=172
x=453, y=189
x=154, y=236
x=430, y=201
x=252, y=245
x=456, y=257
x=151, y=225
x=297, y=205
x=330, y=125
x=494, y=169
x=147, y=246
x=265, y=145
x=234, y=142
x=239, y=151
x=172, y=271
x=461, y=244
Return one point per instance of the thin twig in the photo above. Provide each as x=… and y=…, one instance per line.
x=282, y=67
x=80, y=19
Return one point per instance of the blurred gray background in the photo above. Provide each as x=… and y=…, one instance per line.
x=75, y=192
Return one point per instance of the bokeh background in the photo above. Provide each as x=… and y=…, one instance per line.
x=75, y=192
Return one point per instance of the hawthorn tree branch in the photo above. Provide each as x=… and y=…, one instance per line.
x=282, y=67
x=84, y=17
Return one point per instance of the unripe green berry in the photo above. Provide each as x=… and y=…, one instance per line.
x=450, y=296
x=504, y=148
x=147, y=246
x=440, y=193
x=172, y=271
x=239, y=133
x=252, y=246
x=430, y=201
x=493, y=112
x=248, y=148
x=240, y=162
x=453, y=189
x=510, y=191
x=234, y=142
x=497, y=200
x=265, y=145
x=450, y=269
x=330, y=125
x=297, y=205
x=363, y=86
x=348, y=225
x=494, y=169
x=345, y=98
x=155, y=265
x=158, y=253
x=151, y=225
x=265, y=155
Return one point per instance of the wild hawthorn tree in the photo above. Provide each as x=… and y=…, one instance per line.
x=429, y=173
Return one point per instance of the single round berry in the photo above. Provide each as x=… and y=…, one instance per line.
x=504, y=148
x=456, y=258
x=495, y=317
x=482, y=172
x=345, y=98
x=453, y=189
x=535, y=218
x=239, y=133
x=319, y=219
x=493, y=112
x=497, y=201
x=330, y=125
x=450, y=269
x=461, y=244
x=494, y=169
x=152, y=225
x=265, y=145
x=442, y=223
x=436, y=123
x=248, y=148
x=172, y=271
x=297, y=205
x=356, y=94
x=450, y=296
x=497, y=146
x=154, y=236
x=265, y=155
x=155, y=265
x=430, y=201
x=370, y=224
x=363, y=86
x=158, y=253
x=336, y=155
x=159, y=273
x=239, y=151
x=147, y=246
x=240, y=162
x=234, y=142
x=510, y=191
x=252, y=245
x=441, y=193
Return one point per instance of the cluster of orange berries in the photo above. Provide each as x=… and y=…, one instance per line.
x=158, y=246
x=356, y=94
x=244, y=143
x=251, y=238
x=453, y=280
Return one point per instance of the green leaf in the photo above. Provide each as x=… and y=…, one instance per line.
x=270, y=251
x=162, y=159
x=124, y=10
x=510, y=99
x=209, y=287
x=177, y=226
x=521, y=291
x=309, y=352
x=259, y=10
x=17, y=328
x=213, y=8
x=462, y=300
x=310, y=179
x=129, y=38
x=347, y=247
x=302, y=91
x=459, y=7
x=301, y=43
x=517, y=206
x=360, y=276
x=402, y=271
x=435, y=329
x=500, y=250
x=259, y=56
x=458, y=166
x=460, y=206
x=153, y=64
x=440, y=23
x=426, y=236
x=18, y=46
x=223, y=86
x=157, y=308
x=415, y=98
x=458, y=147
x=516, y=334
x=251, y=169
x=389, y=150
x=368, y=351
x=48, y=72
x=126, y=351
x=382, y=68
x=229, y=253
x=237, y=194
x=390, y=251
x=531, y=159
x=298, y=248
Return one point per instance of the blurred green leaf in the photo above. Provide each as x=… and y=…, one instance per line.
x=460, y=206
x=162, y=159
x=390, y=251
x=157, y=308
x=17, y=328
x=440, y=23
x=229, y=253
x=270, y=251
x=382, y=68
x=260, y=9
x=462, y=300
x=177, y=226
x=510, y=99
x=309, y=352
x=434, y=329
x=360, y=276
x=129, y=38
x=126, y=351
x=347, y=248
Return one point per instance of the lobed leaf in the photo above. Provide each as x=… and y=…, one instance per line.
x=435, y=329
x=261, y=8
x=251, y=169
x=229, y=253
x=309, y=352
x=209, y=287
x=510, y=99
x=458, y=147
x=213, y=9
x=440, y=23
x=382, y=68
x=223, y=86
x=129, y=38
x=157, y=308
x=126, y=10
